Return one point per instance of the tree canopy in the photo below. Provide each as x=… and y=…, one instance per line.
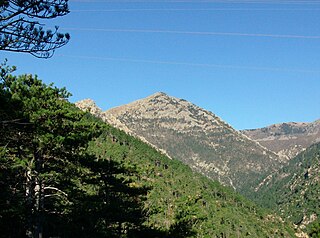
x=65, y=173
x=20, y=30
x=50, y=185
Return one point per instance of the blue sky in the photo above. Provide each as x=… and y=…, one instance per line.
x=252, y=63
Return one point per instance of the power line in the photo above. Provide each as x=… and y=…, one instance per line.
x=222, y=66
x=193, y=33
x=194, y=9
x=297, y=2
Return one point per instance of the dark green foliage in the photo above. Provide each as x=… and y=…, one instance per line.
x=294, y=191
x=21, y=32
x=314, y=229
x=64, y=173
x=39, y=135
x=49, y=183
x=181, y=203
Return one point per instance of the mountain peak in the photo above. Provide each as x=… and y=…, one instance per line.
x=159, y=94
x=160, y=97
x=87, y=101
x=197, y=137
x=90, y=106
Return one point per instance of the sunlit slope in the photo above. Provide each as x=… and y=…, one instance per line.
x=198, y=138
x=182, y=201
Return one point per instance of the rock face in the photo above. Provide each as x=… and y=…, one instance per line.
x=287, y=139
x=198, y=138
x=90, y=106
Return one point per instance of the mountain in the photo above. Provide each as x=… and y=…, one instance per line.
x=286, y=139
x=295, y=189
x=180, y=202
x=196, y=137
x=66, y=173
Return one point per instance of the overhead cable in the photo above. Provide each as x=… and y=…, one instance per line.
x=222, y=66
x=209, y=33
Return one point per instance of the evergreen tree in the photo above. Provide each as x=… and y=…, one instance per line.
x=45, y=138
x=51, y=184
x=21, y=32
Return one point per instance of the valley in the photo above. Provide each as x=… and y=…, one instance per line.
x=164, y=158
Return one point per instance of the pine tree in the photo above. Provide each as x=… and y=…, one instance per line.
x=52, y=185
x=21, y=31
x=44, y=136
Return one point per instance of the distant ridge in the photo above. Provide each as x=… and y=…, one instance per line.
x=287, y=139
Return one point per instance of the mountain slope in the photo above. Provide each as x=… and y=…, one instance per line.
x=183, y=203
x=287, y=139
x=295, y=189
x=66, y=173
x=198, y=138
x=90, y=106
x=180, y=202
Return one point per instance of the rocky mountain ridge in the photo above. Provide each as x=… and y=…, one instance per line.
x=197, y=137
x=287, y=139
x=90, y=106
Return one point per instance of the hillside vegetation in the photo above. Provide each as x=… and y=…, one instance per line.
x=184, y=202
x=295, y=189
x=64, y=173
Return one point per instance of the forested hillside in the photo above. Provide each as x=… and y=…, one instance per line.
x=64, y=173
x=295, y=190
x=182, y=202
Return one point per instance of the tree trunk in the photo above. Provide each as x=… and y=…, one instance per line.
x=29, y=202
x=39, y=197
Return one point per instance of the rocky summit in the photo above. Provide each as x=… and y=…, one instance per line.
x=287, y=139
x=197, y=137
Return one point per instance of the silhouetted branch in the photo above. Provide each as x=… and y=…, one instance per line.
x=19, y=32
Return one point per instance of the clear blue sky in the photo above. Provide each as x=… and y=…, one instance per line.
x=252, y=64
